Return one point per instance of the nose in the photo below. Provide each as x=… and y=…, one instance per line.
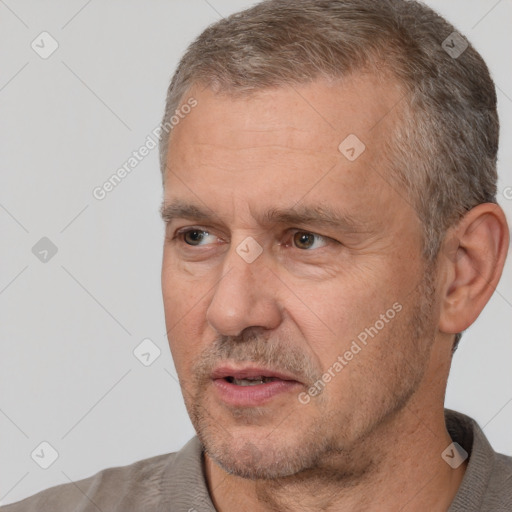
x=244, y=297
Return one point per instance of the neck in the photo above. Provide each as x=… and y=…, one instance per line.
x=397, y=467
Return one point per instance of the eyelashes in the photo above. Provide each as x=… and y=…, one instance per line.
x=300, y=239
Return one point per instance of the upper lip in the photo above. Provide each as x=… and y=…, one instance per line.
x=249, y=372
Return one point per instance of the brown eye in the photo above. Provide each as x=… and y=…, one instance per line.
x=195, y=236
x=303, y=240
x=306, y=240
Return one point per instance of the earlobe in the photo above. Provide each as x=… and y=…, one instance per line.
x=474, y=254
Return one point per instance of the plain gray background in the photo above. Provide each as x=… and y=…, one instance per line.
x=68, y=328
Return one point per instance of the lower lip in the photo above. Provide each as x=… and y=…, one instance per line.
x=251, y=396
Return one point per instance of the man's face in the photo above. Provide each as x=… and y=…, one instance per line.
x=291, y=259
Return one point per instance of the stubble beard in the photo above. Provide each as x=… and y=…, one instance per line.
x=318, y=450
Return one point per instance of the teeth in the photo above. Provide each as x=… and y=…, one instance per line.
x=250, y=381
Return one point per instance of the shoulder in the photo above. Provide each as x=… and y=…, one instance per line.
x=487, y=482
x=137, y=486
x=499, y=493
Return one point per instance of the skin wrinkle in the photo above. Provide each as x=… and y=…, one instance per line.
x=281, y=356
x=283, y=84
x=317, y=217
x=280, y=312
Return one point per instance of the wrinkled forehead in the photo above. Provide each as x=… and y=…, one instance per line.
x=316, y=117
x=324, y=142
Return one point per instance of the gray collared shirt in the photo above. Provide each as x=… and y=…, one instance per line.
x=176, y=482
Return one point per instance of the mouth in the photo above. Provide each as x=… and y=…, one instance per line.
x=251, y=386
x=250, y=382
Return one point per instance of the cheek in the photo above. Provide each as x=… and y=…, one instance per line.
x=186, y=344
x=184, y=315
x=179, y=289
x=339, y=314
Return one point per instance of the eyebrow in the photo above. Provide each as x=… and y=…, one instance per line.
x=181, y=210
x=321, y=215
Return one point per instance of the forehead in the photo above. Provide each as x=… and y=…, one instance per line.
x=324, y=140
x=328, y=108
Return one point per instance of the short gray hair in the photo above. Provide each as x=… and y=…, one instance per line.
x=443, y=151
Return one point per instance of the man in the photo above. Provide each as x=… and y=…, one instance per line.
x=331, y=230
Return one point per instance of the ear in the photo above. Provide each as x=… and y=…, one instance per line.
x=475, y=251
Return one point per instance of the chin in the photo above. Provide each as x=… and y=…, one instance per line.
x=255, y=454
x=251, y=463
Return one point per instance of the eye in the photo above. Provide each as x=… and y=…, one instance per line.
x=306, y=240
x=197, y=237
